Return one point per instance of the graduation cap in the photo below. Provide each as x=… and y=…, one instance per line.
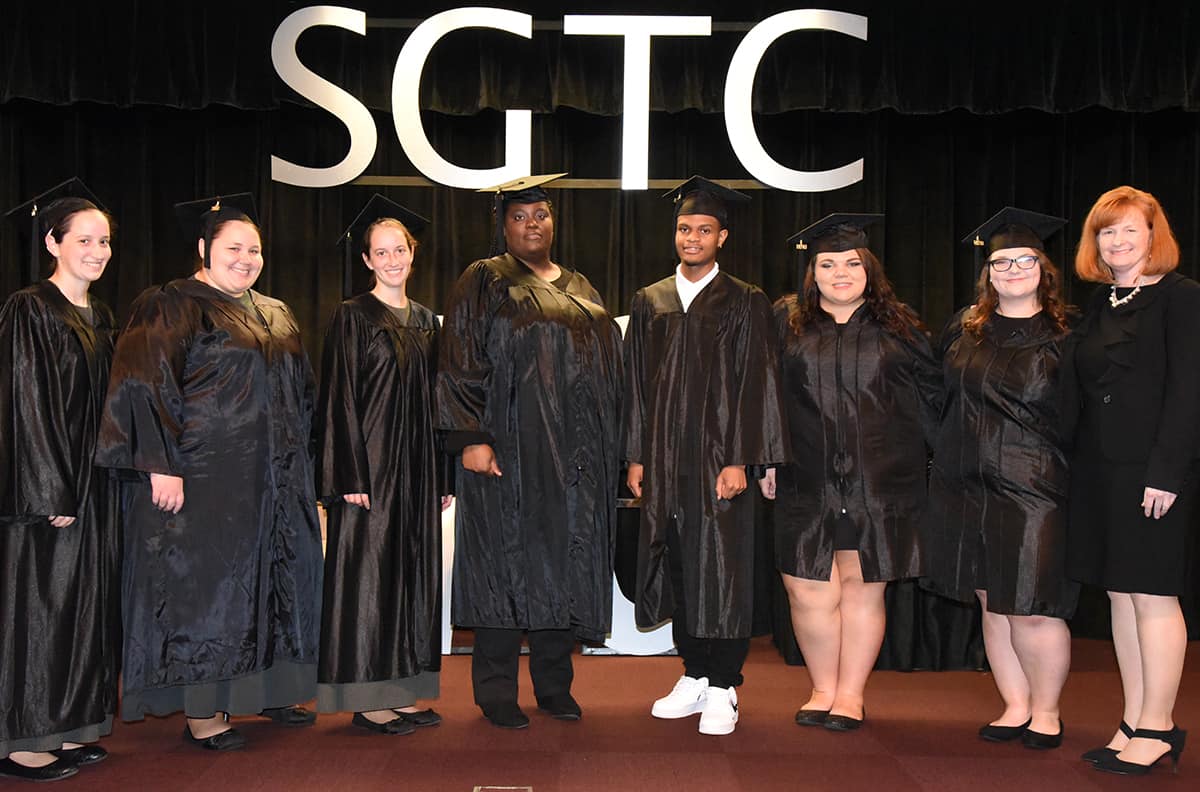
x=699, y=195
x=1012, y=228
x=833, y=233
x=200, y=218
x=377, y=208
x=45, y=210
x=527, y=189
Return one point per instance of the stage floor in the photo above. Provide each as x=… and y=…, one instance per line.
x=920, y=735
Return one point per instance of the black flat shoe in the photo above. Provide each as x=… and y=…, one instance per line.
x=83, y=755
x=811, y=717
x=1042, y=742
x=420, y=718
x=290, y=716
x=506, y=716
x=229, y=740
x=55, y=771
x=395, y=726
x=1104, y=752
x=1175, y=739
x=561, y=707
x=1003, y=733
x=844, y=723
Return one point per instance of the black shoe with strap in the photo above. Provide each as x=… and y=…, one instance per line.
x=1104, y=752
x=1175, y=739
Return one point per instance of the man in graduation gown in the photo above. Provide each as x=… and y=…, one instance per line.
x=528, y=391
x=703, y=404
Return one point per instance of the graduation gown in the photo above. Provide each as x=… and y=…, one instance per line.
x=998, y=486
x=534, y=370
x=861, y=402
x=381, y=613
x=60, y=635
x=230, y=586
x=703, y=393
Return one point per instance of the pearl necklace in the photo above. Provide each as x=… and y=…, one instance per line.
x=1112, y=295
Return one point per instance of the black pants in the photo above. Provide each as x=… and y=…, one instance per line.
x=494, y=664
x=719, y=659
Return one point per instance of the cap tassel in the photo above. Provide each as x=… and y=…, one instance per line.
x=978, y=246
x=802, y=258
x=35, y=241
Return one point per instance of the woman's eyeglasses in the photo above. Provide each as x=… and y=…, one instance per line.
x=1005, y=264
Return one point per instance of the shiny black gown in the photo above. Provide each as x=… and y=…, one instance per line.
x=861, y=402
x=60, y=635
x=226, y=593
x=997, y=517
x=381, y=615
x=703, y=393
x=534, y=369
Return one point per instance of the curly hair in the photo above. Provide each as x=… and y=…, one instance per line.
x=1049, y=295
x=881, y=300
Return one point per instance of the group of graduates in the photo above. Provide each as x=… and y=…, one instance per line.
x=159, y=486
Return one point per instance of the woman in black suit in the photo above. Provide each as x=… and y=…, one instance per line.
x=1133, y=480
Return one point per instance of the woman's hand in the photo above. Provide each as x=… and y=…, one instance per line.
x=634, y=478
x=731, y=481
x=166, y=492
x=1157, y=502
x=58, y=521
x=360, y=499
x=480, y=458
x=766, y=484
x=446, y=501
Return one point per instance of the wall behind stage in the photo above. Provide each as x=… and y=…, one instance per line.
x=957, y=108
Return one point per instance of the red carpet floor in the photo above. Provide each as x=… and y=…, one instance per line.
x=920, y=735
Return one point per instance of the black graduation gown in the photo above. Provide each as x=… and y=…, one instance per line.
x=381, y=613
x=535, y=370
x=861, y=402
x=703, y=393
x=204, y=389
x=60, y=635
x=998, y=486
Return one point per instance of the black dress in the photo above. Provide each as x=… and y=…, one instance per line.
x=381, y=614
x=533, y=369
x=1138, y=394
x=222, y=600
x=60, y=636
x=998, y=487
x=860, y=403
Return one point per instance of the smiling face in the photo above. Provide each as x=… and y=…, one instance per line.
x=236, y=258
x=85, y=248
x=841, y=278
x=529, y=230
x=389, y=255
x=1015, y=284
x=1125, y=245
x=698, y=237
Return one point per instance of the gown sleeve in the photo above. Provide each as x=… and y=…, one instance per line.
x=759, y=433
x=342, y=466
x=927, y=379
x=634, y=402
x=464, y=368
x=37, y=476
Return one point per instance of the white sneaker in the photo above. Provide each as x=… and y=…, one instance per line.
x=686, y=698
x=720, y=711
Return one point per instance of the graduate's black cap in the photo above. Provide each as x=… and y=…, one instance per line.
x=1012, y=228
x=699, y=195
x=198, y=218
x=527, y=189
x=833, y=233
x=377, y=208
x=39, y=214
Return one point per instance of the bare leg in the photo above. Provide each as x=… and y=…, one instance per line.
x=863, y=623
x=1043, y=646
x=817, y=622
x=1162, y=639
x=1007, y=672
x=1129, y=661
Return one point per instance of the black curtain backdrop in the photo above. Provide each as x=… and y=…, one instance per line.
x=957, y=108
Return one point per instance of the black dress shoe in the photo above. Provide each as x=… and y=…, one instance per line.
x=1042, y=742
x=229, y=740
x=396, y=725
x=1104, y=752
x=425, y=717
x=993, y=733
x=561, y=707
x=843, y=722
x=506, y=716
x=290, y=716
x=83, y=755
x=811, y=717
x=55, y=771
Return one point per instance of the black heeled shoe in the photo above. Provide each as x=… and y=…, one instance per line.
x=811, y=717
x=1175, y=739
x=83, y=755
x=1043, y=742
x=993, y=733
x=1104, y=752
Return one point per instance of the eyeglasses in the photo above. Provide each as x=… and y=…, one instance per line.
x=1022, y=262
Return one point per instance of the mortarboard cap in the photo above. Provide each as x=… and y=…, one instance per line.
x=198, y=218
x=833, y=233
x=1012, y=228
x=377, y=208
x=527, y=189
x=699, y=195
x=42, y=212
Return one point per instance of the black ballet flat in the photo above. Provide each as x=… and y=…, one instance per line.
x=83, y=755
x=396, y=726
x=844, y=723
x=1104, y=752
x=1175, y=739
x=1003, y=733
x=55, y=771
x=506, y=716
x=561, y=707
x=229, y=740
x=290, y=716
x=420, y=718
x=1043, y=742
x=811, y=717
